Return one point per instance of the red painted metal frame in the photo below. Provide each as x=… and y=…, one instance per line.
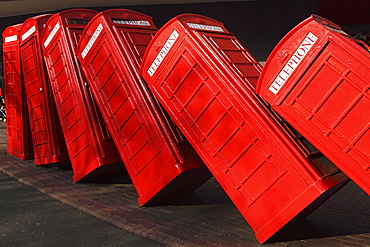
x=90, y=147
x=48, y=141
x=18, y=124
x=161, y=163
x=205, y=79
x=318, y=79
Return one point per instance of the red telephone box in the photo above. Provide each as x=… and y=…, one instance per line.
x=205, y=79
x=90, y=146
x=48, y=142
x=161, y=163
x=318, y=78
x=18, y=123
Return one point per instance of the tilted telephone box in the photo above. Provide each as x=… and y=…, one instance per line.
x=48, y=141
x=318, y=79
x=90, y=147
x=160, y=162
x=18, y=123
x=205, y=79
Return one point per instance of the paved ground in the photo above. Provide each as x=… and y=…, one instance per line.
x=30, y=218
x=204, y=218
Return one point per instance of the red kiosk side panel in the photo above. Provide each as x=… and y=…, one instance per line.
x=88, y=147
x=267, y=177
x=48, y=141
x=18, y=123
x=156, y=166
x=321, y=89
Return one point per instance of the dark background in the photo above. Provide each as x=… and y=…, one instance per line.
x=258, y=24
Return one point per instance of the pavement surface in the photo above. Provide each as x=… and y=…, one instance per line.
x=31, y=218
x=204, y=218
